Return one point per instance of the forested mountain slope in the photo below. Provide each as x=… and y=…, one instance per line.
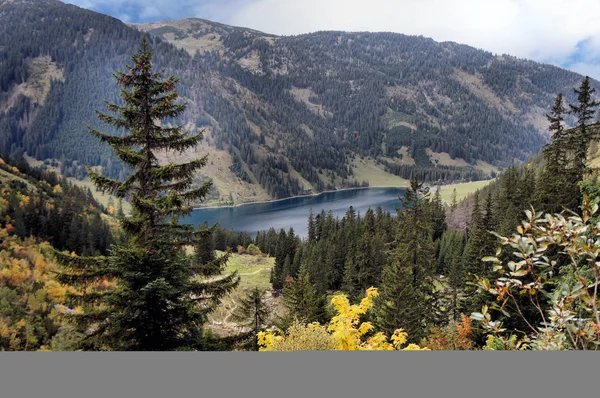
x=40, y=212
x=283, y=115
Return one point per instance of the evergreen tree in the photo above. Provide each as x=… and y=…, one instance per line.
x=556, y=189
x=157, y=305
x=480, y=243
x=19, y=223
x=204, y=254
x=302, y=301
x=453, y=202
x=476, y=238
x=311, y=228
x=398, y=304
x=488, y=224
x=580, y=138
x=334, y=259
x=220, y=238
x=453, y=266
x=282, y=253
x=351, y=285
x=252, y=311
x=415, y=230
x=406, y=292
x=438, y=215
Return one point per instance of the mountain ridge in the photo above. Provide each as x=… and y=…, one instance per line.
x=284, y=115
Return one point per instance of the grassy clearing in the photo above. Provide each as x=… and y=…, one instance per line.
x=462, y=190
x=444, y=159
x=367, y=170
x=253, y=271
x=486, y=167
x=226, y=183
x=101, y=197
x=6, y=177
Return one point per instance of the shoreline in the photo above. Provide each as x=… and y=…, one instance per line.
x=292, y=197
x=324, y=192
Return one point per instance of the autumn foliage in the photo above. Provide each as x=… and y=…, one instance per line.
x=344, y=332
x=455, y=336
x=28, y=294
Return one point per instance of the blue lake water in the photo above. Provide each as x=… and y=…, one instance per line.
x=293, y=212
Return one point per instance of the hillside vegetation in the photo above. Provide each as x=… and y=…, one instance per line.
x=282, y=115
x=40, y=213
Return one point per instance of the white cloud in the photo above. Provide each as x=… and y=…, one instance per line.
x=586, y=69
x=143, y=10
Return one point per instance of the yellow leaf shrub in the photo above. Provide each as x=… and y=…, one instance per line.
x=29, y=292
x=344, y=332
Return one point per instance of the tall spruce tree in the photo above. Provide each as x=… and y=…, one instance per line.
x=252, y=311
x=472, y=254
x=282, y=253
x=557, y=189
x=488, y=224
x=406, y=292
x=302, y=301
x=398, y=304
x=415, y=229
x=450, y=261
x=453, y=201
x=580, y=138
x=157, y=304
x=205, y=258
x=438, y=215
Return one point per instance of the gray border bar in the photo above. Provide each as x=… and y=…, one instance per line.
x=300, y=374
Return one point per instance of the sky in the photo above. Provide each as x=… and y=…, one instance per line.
x=565, y=33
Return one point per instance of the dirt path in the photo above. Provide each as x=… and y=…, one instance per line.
x=255, y=272
x=226, y=319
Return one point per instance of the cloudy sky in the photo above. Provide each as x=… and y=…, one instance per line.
x=560, y=32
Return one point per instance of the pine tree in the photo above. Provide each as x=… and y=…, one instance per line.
x=406, y=292
x=580, y=138
x=302, y=301
x=556, y=189
x=311, y=228
x=252, y=311
x=415, y=231
x=350, y=283
x=480, y=243
x=204, y=254
x=453, y=202
x=488, y=224
x=472, y=254
x=335, y=262
x=398, y=304
x=157, y=304
x=220, y=239
x=296, y=263
x=438, y=215
x=454, y=269
x=281, y=252
x=371, y=259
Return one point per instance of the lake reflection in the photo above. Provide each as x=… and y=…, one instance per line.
x=294, y=212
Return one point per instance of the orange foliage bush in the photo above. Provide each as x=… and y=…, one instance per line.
x=455, y=336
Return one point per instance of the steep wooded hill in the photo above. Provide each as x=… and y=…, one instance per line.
x=283, y=115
